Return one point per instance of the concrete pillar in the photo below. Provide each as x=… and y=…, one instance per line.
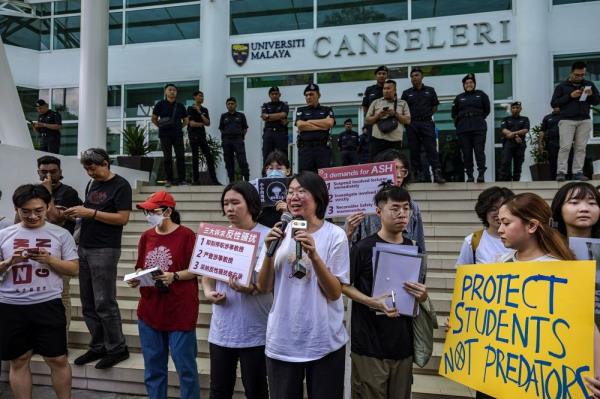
x=13, y=127
x=93, y=74
x=214, y=34
x=533, y=64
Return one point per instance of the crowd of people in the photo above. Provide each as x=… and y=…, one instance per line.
x=285, y=332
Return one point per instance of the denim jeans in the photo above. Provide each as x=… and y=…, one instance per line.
x=98, y=293
x=155, y=348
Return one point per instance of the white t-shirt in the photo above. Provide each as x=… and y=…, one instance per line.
x=303, y=324
x=510, y=257
x=489, y=250
x=30, y=282
x=241, y=322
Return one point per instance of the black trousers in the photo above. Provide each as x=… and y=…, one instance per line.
x=234, y=148
x=50, y=143
x=324, y=377
x=274, y=140
x=314, y=157
x=349, y=157
x=473, y=142
x=378, y=145
x=552, y=147
x=422, y=134
x=513, y=155
x=198, y=142
x=168, y=143
x=223, y=364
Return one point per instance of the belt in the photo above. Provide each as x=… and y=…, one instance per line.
x=233, y=136
x=471, y=114
x=312, y=143
x=421, y=118
x=276, y=129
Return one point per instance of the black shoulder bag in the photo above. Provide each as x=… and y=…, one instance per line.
x=390, y=123
x=168, y=122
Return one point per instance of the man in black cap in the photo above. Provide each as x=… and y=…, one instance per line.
x=348, y=142
x=48, y=127
x=423, y=102
x=314, y=123
x=514, y=129
x=233, y=127
x=199, y=120
x=374, y=92
x=275, y=115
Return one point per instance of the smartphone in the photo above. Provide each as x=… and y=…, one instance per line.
x=386, y=108
x=30, y=251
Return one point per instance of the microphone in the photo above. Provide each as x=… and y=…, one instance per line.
x=298, y=269
x=285, y=219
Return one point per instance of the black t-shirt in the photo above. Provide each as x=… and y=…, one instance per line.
x=348, y=141
x=308, y=113
x=514, y=124
x=66, y=196
x=233, y=124
x=275, y=108
x=421, y=102
x=375, y=335
x=51, y=118
x=109, y=196
x=372, y=93
x=165, y=109
x=195, y=116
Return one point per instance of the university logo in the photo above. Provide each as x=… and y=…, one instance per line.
x=240, y=52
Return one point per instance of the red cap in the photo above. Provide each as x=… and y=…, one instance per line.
x=157, y=200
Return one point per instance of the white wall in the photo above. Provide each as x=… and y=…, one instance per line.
x=19, y=166
x=573, y=28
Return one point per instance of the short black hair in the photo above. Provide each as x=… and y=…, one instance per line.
x=314, y=184
x=196, y=92
x=390, y=81
x=391, y=154
x=277, y=156
x=488, y=198
x=47, y=160
x=416, y=69
x=573, y=190
x=348, y=121
x=250, y=195
x=391, y=193
x=95, y=156
x=578, y=65
x=27, y=192
x=170, y=85
x=231, y=99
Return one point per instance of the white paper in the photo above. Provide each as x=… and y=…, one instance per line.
x=584, y=95
x=392, y=271
x=144, y=276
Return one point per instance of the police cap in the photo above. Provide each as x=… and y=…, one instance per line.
x=469, y=76
x=516, y=104
x=382, y=68
x=40, y=103
x=274, y=89
x=311, y=87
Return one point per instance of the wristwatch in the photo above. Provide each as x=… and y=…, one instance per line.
x=176, y=276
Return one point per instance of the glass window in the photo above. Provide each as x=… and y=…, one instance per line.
x=501, y=111
x=113, y=137
x=162, y=24
x=21, y=32
x=45, y=34
x=67, y=7
x=254, y=16
x=115, y=28
x=279, y=80
x=142, y=3
x=113, y=103
x=140, y=98
x=43, y=9
x=345, y=76
x=558, y=2
x=68, y=139
x=115, y=4
x=503, y=83
x=236, y=89
x=455, y=69
x=66, y=101
x=66, y=32
x=28, y=98
x=395, y=73
x=352, y=12
x=441, y=8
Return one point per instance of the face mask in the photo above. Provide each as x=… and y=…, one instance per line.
x=275, y=173
x=154, y=220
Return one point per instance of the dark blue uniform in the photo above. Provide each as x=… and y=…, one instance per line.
x=421, y=131
x=233, y=127
x=363, y=148
x=198, y=141
x=469, y=111
x=513, y=151
x=551, y=140
x=371, y=94
x=170, y=133
x=313, y=146
x=348, y=143
x=49, y=138
x=275, y=133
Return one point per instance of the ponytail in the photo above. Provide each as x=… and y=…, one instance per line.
x=175, y=216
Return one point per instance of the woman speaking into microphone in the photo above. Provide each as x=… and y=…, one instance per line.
x=305, y=331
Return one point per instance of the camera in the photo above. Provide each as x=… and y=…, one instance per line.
x=298, y=269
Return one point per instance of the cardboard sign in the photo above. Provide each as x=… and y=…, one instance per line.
x=522, y=329
x=352, y=188
x=222, y=252
x=271, y=189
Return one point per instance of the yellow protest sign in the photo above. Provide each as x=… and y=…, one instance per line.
x=523, y=329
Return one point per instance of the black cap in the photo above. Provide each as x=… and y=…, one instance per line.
x=469, y=76
x=274, y=89
x=382, y=68
x=311, y=87
x=40, y=102
x=515, y=104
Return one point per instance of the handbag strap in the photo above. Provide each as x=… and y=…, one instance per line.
x=174, y=109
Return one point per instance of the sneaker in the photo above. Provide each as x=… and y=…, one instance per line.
x=167, y=183
x=110, y=360
x=561, y=177
x=580, y=177
x=88, y=357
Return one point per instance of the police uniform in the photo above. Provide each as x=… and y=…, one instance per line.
x=49, y=138
x=551, y=140
x=469, y=111
x=513, y=152
x=275, y=133
x=313, y=146
x=232, y=127
x=171, y=137
x=348, y=142
x=198, y=141
x=363, y=148
x=421, y=131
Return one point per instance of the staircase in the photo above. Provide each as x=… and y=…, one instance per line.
x=448, y=215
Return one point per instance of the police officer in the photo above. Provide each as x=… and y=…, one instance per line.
x=348, y=144
x=199, y=120
x=233, y=127
x=423, y=102
x=550, y=137
x=314, y=122
x=374, y=92
x=469, y=111
x=514, y=129
x=275, y=115
x=48, y=127
x=363, y=145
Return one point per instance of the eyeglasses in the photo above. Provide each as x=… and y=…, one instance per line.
x=157, y=211
x=403, y=172
x=301, y=193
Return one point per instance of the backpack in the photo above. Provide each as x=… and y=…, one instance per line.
x=475, y=240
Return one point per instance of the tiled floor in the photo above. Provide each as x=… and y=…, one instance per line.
x=42, y=392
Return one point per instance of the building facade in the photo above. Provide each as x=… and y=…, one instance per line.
x=517, y=49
